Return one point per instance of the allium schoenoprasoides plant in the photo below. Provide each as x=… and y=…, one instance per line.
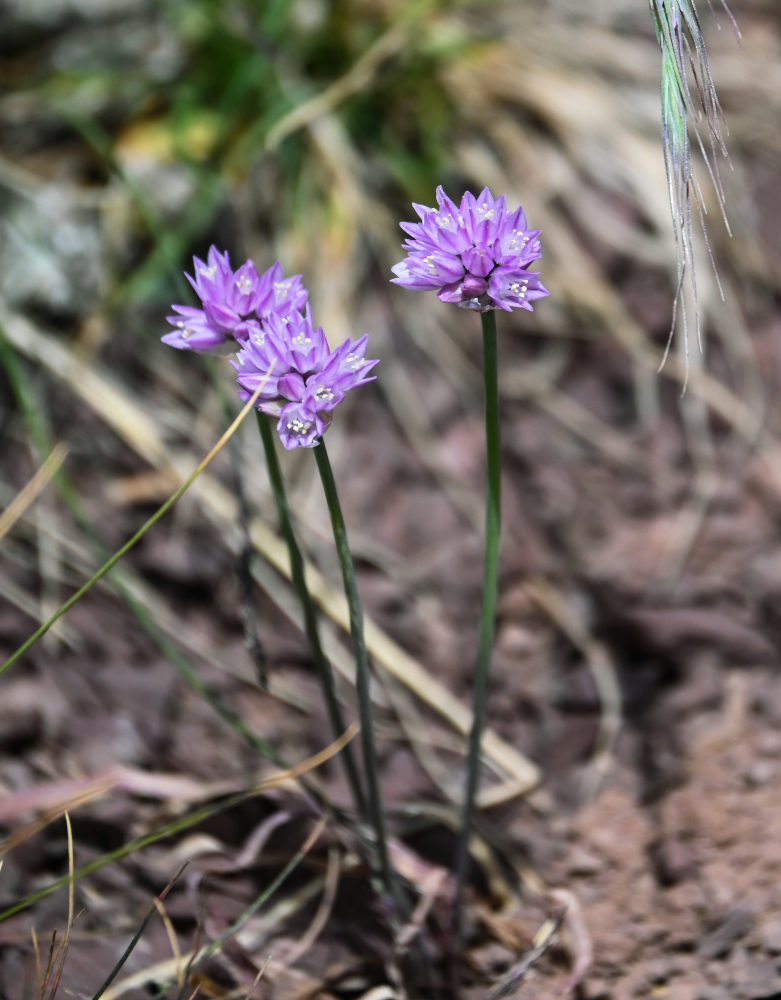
x=684, y=56
x=285, y=362
x=476, y=255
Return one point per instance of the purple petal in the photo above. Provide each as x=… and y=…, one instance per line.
x=515, y=289
x=291, y=386
x=435, y=268
x=450, y=293
x=309, y=349
x=518, y=246
x=407, y=279
x=299, y=426
x=473, y=286
x=192, y=331
x=478, y=260
x=484, y=216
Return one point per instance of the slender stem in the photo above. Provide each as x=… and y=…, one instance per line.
x=322, y=666
x=362, y=677
x=490, y=590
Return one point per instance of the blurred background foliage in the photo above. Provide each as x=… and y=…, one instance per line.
x=303, y=128
x=185, y=102
x=134, y=133
x=325, y=117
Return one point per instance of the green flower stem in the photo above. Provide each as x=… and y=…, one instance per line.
x=362, y=676
x=322, y=666
x=487, y=620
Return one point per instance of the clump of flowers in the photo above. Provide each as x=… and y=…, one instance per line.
x=279, y=348
x=476, y=255
x=235, y=303
x=307, y=381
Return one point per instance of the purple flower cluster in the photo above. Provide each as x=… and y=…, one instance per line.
x=259, y=315
x=307, y=381
x=235, y=303
x=476, y=255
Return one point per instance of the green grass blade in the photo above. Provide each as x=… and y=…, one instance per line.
x=133, y=941
x=275, y=884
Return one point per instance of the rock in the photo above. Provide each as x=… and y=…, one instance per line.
x=770, y=936
x=718, y=942
x=50, y=253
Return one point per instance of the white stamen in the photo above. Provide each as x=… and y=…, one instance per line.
x=432, y=267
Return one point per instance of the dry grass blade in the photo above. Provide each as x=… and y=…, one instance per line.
x=56, y=961
x=596, y=654
x=157, y=905
x=37, y=957
x=322, y=914
x=141, y=531
x=88, y=790
x=288, y=774
x=140, y=782
x=167, y=970
x=543, y=939
x=31, y=607
x=178, y=825
x=355, y=79
x=48, y=965
x=260, y=975
x=30, y=490
x=55, y=798
x=172, y=938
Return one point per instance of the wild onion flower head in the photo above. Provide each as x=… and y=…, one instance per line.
x=302, y=379
x=476, y=255
x=235, y=303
